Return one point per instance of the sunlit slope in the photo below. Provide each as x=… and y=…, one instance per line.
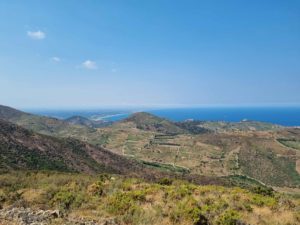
x=252, y=152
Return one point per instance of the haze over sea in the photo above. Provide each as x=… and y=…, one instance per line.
x=287, y=116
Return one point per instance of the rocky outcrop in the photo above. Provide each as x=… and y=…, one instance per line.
x=27, y=216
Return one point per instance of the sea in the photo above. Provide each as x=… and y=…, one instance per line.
x=286, y=116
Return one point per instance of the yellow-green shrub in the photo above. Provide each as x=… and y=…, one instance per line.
x=120, y=203
x=95, y=189
x=228, y=217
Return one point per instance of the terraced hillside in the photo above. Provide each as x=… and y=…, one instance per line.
x=222, y=126
x=252, y=152
x=261, y=151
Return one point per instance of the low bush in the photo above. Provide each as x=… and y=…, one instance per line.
x=187, y=209
x=229, y=217
x=178, y=192
x=63, y=199
x=267, y=191
x=120, y=203
x=261, y=200
x=95, y=189
x=165, y=181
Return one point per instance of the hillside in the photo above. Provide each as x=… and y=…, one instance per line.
x=260, y=152
x=200, y=127
x=45, y=125
x=8, y=113
x=239, y=126
x=148, y=122
x=24, y=149
x=76, y=127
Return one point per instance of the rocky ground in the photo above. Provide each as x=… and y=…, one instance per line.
x=27, y=216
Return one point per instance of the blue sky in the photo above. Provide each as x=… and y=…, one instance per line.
x=159, y=52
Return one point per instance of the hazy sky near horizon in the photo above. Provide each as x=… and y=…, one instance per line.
x=159, y=52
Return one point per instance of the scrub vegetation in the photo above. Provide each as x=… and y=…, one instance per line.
x=134, y=201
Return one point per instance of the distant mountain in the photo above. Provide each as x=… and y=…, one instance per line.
x=80, y=120
x=84, y=129
x=8, y=113
x=149, y=122
x=43, y=124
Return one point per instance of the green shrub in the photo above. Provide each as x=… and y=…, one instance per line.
x=189, y=210
x=127, y=185
x=104, y=177
x=95, y=189
x=2, y=196
x=297, y=216
x=229, y=217
x=139, y=195
x=213, y=207
x=179, y=192
x=248, y=207
x=63, y=199
x=14, y=196
x=134, y=216
x=165, y=181
x=261, y=200
x=120, y=203
x=79, y=199
x=266, y=191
